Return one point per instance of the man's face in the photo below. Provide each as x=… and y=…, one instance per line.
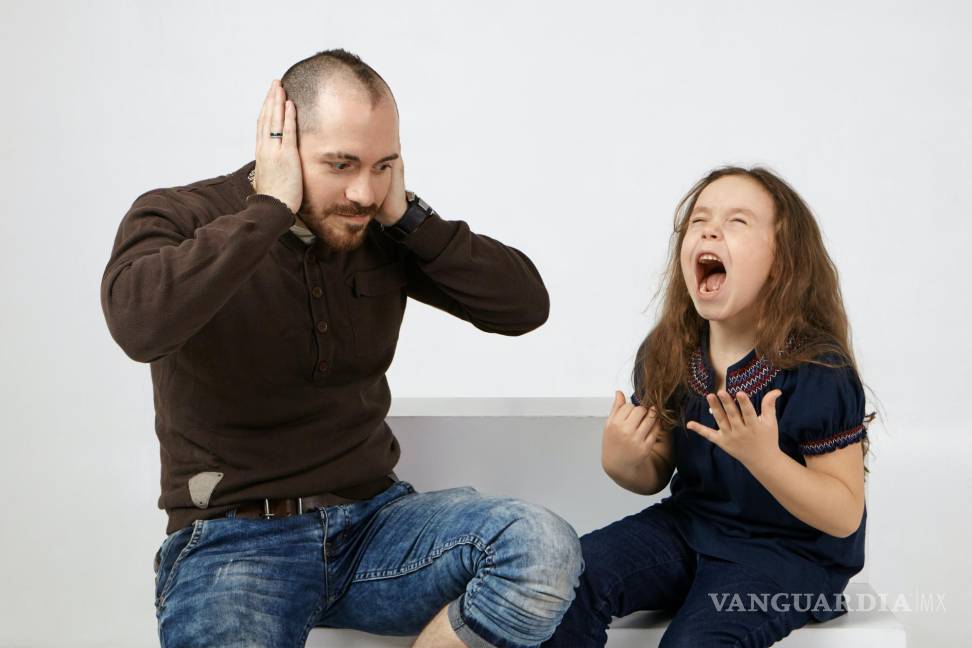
x=347, y=156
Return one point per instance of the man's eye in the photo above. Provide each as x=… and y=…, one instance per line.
x=340, y=166
x=385, y=167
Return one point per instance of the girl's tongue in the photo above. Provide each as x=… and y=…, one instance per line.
x=713, y=282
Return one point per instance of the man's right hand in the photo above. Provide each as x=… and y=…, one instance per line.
x=278, y=171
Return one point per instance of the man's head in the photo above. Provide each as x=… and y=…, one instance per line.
x=348, y=141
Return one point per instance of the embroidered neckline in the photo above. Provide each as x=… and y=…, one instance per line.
x=752, y=374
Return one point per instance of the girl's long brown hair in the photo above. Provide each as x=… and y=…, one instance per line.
x=801, y=297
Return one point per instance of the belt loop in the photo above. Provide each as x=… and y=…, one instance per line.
x=266, y=509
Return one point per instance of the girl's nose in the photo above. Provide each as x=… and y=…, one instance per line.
x=711, y=230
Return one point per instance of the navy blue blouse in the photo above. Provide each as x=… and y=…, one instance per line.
x=723, y=511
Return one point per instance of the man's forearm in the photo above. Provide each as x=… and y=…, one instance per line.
x=815, y=498
x=160, y=287
x=494, y=286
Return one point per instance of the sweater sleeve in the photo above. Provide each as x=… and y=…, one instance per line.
x=825, y=411
x=167, y=276
x=495, y=287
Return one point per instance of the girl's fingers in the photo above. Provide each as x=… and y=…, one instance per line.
x=635, y=417
x=749, y=415
x=649, y=441
x=718, y=412
x=643, y=431
x=703, y=431
x=619, y=400
x=732, y=412
x=617, y=416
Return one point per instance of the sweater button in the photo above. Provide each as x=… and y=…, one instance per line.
x=311, y=258
x=317, y=292
x=322, y=326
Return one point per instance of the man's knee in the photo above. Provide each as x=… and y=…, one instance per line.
x=544, y=550
x=527, y=580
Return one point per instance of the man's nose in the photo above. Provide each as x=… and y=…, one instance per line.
x=360, y=190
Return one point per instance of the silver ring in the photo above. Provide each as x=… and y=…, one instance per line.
x=276, y=135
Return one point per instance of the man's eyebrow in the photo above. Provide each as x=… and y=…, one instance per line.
x=341, y=155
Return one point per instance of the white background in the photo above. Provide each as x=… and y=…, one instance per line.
x=568, y=130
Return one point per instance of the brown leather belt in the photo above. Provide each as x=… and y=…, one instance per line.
x=283, y=507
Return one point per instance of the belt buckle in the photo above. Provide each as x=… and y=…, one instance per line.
x=268, y=515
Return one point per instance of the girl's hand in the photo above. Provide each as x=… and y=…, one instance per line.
x=742, y=434
x=629, y=434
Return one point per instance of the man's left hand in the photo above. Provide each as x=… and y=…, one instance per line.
x=395, y=203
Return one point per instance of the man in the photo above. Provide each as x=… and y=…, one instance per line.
x=268, y=302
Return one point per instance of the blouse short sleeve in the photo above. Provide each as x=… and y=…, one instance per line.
x=825, y=411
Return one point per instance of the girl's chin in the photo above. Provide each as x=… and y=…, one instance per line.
x=710, y=301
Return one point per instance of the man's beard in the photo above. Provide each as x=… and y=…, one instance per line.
x=338, y=234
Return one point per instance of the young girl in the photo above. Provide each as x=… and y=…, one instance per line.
x=747, y=390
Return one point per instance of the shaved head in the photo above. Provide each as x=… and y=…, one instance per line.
x=335, y=70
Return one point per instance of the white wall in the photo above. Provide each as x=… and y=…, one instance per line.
x=568, y=130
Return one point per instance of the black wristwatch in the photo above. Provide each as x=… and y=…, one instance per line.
x=416, y=213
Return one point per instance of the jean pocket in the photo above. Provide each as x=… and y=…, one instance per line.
x=377, y=308
x=171, y=554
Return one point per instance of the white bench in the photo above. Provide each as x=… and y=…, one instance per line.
x=547, y=451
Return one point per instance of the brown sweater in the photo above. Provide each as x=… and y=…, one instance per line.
x=268, y=356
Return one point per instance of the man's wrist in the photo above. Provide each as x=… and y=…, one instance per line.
x=416, y=213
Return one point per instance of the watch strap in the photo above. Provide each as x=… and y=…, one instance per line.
x=415, y=214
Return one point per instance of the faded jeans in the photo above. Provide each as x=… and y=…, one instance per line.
x=506, y=569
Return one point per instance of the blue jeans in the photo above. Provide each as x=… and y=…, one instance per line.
x=506, y=569
x=642, y=562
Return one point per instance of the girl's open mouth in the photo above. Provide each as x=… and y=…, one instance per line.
x=710, y=272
